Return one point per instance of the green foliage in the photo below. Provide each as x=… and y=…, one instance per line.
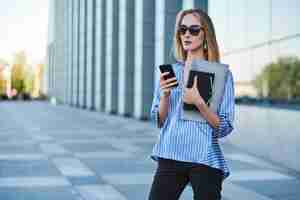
x=280, y=79
x=17, y=78
x=2, y=78
x=2, y=84
x=29, y=82
x=18, y=71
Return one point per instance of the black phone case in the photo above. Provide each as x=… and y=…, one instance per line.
x=168, y=68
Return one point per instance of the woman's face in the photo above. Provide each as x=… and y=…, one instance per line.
x=191, y=33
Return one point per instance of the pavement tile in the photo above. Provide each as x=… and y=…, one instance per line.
x=275, y=189
x=72, y=167
x=62, y=193
x=134, y=192
x=89, y=147
x=19, y=149
x=100, y=192
x=28, y=168
x=259, y=175
x=232, y=191
x=30, y=182
x=62, y=152
x=24, y=157
x=128, y=178
x=104, y=155
x=85, y=180
x=132, y=165
x=53, y=149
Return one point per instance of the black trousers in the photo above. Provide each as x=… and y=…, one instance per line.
x=172, y=176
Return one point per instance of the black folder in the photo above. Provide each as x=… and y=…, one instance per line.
x=205, y=86
x=211, y=84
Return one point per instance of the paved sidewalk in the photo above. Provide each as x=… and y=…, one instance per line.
x=57, y=152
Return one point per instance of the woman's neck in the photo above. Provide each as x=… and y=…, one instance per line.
x=192, y=55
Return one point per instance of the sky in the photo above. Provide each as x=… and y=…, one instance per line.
x=23, y=26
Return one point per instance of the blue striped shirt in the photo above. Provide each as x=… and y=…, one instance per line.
x=188, y=140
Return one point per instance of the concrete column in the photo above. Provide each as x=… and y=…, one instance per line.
x=59, y=46
x=126, y=58
x=90, y=62
x=51, y=20
x=187, y=4
x=202, y=4
x=66, y=51
x=144, y=57
x=75, y=51
x=112, y=58
x=166, y=12
x=159, y=34
x=70, y=51
x=82, y=53
x=171, y=10
x=100, y=54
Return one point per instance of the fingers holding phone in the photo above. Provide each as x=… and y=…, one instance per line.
x=167, y=83
x=167, y=78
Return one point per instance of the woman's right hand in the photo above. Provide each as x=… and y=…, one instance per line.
x=166, y=85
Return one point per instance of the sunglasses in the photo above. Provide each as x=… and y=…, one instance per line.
x=194, y=29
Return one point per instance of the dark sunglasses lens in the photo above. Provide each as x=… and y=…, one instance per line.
x=182, y=30
x=194, y=30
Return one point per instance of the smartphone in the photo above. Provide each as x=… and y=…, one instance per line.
x=168, y=68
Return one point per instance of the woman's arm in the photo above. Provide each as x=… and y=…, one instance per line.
x=222, y=123
x=212, y=118
x=192, y=96
x=163, y=109
x=160, y=105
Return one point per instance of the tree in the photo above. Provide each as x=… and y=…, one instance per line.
x=29, y=81
x=3, y=81
x=281, y=79
x=18, y=71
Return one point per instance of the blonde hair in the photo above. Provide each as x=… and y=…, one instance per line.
x=212, y=52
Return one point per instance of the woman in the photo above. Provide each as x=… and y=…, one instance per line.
x=188, y=151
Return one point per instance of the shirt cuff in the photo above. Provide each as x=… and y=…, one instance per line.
x=225, y=127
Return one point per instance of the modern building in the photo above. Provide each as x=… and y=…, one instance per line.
x=252, y=34
x=103, y=55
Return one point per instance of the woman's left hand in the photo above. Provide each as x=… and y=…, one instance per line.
x=192, y=95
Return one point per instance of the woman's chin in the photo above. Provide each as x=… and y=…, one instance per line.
x=188, y=48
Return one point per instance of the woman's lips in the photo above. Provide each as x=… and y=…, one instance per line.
x=187, y=42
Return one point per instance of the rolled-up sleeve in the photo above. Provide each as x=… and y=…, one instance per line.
x=226, y=109
x=154, y=113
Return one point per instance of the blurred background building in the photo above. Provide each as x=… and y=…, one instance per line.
x=103, y=55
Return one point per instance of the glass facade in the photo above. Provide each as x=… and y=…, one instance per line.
x=251, y=35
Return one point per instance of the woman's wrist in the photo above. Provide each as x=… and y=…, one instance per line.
x=166, y=94
x=200, y=105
